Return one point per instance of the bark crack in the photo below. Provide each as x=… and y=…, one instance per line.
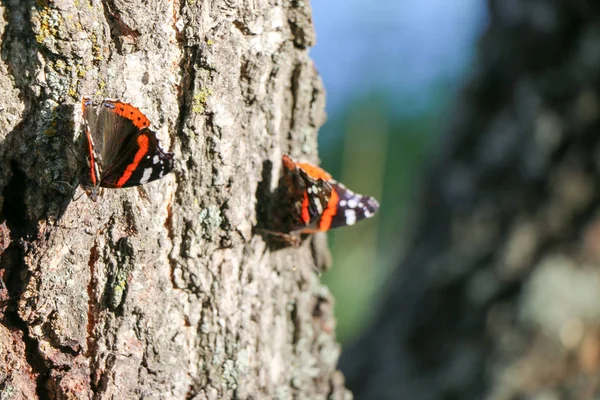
x=118, y=27
x=295, y=87
x=92, y=316
x=15, y=271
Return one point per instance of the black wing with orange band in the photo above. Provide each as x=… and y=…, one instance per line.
x=122, y=150
x=326, y=203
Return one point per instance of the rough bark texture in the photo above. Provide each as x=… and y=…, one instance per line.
x=498, y=297
x=162, y=291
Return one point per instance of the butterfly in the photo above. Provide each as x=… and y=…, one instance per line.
x=121, y=149
x=320, y=203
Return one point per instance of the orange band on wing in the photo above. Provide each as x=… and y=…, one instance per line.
x=314, y=172
x=330, y=211
x=88, y=135
x=142, y=141
x=131, y=113
x=305, y=217
x=92, y=159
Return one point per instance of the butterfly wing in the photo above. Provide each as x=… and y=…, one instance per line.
x=321, y=202
x=348, y=208
x=316, y=196
x=94, y=142
x=131, y=153
x=308, y=192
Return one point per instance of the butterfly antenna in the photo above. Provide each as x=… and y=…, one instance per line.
x=78, y=197
x=67, y=184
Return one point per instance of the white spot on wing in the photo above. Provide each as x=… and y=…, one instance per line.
x=156, y=159
x=319, y=206
x=350, y=215
x=352, y=203
x=146, y=176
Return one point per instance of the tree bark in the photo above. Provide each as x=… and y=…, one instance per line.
x=161, y=291
x=497, y=297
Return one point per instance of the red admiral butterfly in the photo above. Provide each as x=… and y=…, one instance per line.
x=320, y=203
x=121, y=150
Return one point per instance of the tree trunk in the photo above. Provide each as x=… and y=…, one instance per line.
x=498, y=297
x=160, y=291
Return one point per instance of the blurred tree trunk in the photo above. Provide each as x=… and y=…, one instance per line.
x=161, y=291
x=499, y=294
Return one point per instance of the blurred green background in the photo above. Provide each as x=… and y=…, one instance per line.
x=392, y=70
